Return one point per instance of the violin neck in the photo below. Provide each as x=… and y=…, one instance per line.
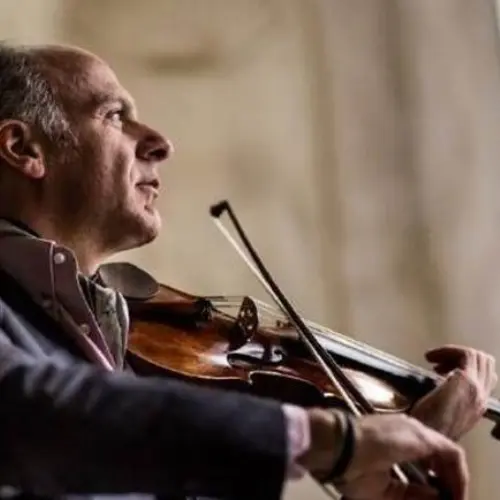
x=493, y=410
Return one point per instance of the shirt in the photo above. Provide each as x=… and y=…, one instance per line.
x=96, y=317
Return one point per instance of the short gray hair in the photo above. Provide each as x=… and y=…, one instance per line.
x=27, y=95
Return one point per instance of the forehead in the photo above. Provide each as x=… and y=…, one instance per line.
x=84, y=81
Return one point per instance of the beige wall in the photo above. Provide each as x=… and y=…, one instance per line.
x=357, y=141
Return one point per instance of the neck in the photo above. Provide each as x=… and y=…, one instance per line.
x=87, y=254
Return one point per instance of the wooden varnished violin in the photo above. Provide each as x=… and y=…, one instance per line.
x=196, y=338
x=243, y=344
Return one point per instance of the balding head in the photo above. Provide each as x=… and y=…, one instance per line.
x=40, y=84
x=79, y=78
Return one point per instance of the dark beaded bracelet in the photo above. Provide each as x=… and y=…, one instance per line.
x=347, y=452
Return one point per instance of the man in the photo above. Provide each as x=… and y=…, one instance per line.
x=78, y=183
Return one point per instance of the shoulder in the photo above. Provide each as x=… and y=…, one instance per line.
x=15, y=301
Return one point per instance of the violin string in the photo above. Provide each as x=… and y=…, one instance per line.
x=352, y=343
x=272, y=313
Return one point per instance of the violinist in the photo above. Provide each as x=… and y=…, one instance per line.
x=78, y=183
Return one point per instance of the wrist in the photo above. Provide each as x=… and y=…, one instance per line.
x=343, y=459
x=329, y=432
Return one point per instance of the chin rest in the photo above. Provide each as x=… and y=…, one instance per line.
x=131, y=281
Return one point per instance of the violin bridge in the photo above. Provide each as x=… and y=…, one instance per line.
x=247, y=322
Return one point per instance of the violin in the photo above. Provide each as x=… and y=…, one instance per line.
x=198, y=339
x=243, y=344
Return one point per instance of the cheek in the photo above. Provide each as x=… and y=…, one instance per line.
x=124, y=175
x=70, y=191
x=112, y=166
x=118, y=156
x=101, y=171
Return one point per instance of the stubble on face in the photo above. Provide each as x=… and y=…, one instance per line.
x=90, y=185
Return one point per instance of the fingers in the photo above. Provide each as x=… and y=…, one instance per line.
x=444, y=368
x=416, y=492
x=448, y=461
x=381, y=486
x=483, y=371
x=450, y=464
x=450, y=354
x=411, y=492
x=489, y=368
x=476, y=364
x=384, y=440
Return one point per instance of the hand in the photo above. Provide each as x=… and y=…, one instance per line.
x=380, y=441
x=458, y=403
x=384, y=440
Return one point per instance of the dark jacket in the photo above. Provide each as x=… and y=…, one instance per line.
x=72, y=422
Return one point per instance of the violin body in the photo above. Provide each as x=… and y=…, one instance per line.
x=180, y=335
x=215, y=349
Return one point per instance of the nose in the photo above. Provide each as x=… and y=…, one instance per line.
x=153, y=147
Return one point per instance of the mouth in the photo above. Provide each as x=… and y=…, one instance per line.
x=150, y=187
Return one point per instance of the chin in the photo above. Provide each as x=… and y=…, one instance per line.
x=151, y=227
x=140, y=230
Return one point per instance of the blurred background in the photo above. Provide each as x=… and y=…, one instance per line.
x=357, y=140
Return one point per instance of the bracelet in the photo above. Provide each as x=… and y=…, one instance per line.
x=343, y=461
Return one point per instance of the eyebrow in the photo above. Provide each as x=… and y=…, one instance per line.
x=99, y=100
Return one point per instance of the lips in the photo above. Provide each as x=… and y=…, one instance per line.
x=154, y=183
x=151, y=187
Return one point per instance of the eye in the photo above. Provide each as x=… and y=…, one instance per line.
x=116, y=115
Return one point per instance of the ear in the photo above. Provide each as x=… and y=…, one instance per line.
x=20, y=149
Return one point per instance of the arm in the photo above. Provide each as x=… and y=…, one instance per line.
x=81, y=430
